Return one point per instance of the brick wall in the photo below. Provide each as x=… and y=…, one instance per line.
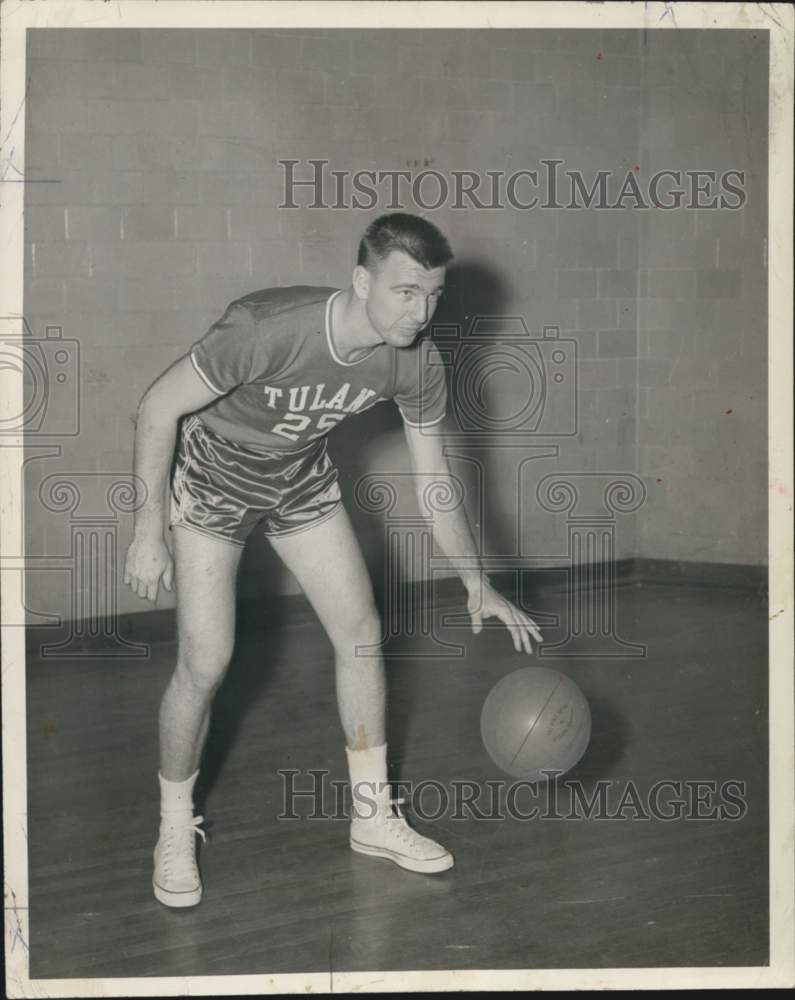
x=164, y=148
x=702, y=322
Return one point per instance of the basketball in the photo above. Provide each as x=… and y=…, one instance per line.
x=535, y=720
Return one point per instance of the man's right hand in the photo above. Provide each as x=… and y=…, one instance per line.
x=178, y=391
x=148, y=559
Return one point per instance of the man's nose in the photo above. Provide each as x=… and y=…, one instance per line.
x=420, y=313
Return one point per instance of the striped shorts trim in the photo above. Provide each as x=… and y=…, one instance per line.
x=225, y=490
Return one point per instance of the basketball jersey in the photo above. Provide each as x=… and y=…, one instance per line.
x=272, y=362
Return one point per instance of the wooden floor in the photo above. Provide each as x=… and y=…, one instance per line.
x=289, y=895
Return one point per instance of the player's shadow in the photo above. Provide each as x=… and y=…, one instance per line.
x=260, y=639
x=475, y=296
x=472, y=288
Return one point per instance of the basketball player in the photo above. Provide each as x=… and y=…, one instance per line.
x=260, y=391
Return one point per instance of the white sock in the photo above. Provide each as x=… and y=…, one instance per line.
x=369, y=784
x=176, y=799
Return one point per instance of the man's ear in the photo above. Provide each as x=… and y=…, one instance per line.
x=361, y=281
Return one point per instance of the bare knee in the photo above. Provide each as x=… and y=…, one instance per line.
x=351, y=631
x=202, y=670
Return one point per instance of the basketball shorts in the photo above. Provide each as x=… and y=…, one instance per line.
x=226, y=490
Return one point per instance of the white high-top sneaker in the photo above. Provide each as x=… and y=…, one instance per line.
x=378, y=827
x=386, y=834
x=176, y=879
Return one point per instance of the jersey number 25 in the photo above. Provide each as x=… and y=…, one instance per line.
x=295, y=423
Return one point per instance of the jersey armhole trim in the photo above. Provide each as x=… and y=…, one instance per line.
x=203, y=377
x=428, y=423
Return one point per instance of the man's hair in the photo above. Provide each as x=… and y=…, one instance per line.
x=410, y=234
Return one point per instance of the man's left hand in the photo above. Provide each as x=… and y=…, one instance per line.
x=485, y=602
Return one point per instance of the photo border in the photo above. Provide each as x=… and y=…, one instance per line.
x=15, y=18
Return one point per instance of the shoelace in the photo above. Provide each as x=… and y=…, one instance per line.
x=178, y=856
x=402, y=829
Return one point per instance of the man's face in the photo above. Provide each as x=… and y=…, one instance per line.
x=401, y=296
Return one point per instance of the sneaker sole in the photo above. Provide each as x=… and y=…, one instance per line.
x=177, y=900
x=431, y=866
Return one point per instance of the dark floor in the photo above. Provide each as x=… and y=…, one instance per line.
x=288, y=895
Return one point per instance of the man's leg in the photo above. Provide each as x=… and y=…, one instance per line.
x=327, y=562
x=206, y=571
x=205, y=587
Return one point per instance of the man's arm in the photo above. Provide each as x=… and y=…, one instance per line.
x=177, y=391
x=452, y=531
